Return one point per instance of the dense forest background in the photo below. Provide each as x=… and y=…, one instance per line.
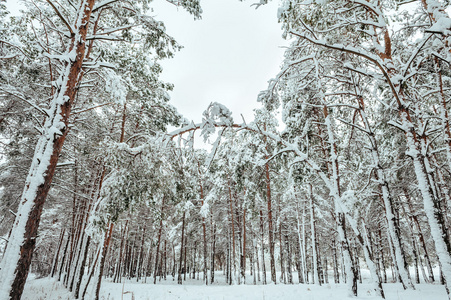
x=359, y=176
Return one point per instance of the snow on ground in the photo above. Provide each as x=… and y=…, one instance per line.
x=193, y=289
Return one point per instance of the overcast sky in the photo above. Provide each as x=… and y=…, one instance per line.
x=228, y=55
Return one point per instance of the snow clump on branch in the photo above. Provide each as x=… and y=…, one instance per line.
x=216, y=113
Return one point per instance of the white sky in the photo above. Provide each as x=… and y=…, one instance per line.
x=228, y=55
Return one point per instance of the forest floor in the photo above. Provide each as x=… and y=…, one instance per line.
x=193, y=289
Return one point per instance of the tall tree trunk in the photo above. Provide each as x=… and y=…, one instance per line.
x=426, y=186
x=213, y=249
x=301, y=239
x=340, y=217
x=55, y=260
x=262, y=231
x=82, y=267
x=204, y=230
x=165, y=259
x=228, y=268
x=179, y=279
x=288, y=248
x=393, y=227
x=17, y=257
x=233, y=230
x=243, y=258
x=381, y=251
x=420, y=237
x=315, y=271
x=282, y=258
x=107, y=238
x=64, y=258
x=270, y=225
x=117, y=276
x=141, y=256
x=91, y=273
x=257, y=261
x=186, y=267
x=157, y=253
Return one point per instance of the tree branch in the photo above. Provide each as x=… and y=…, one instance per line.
x=63, y=19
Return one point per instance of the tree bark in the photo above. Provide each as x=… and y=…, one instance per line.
x=270, y=225
x=108, y=234
x=82, y=268
x=157, y=253
x=213, y=249
x=204, y=230
x=262, y=231
x=233, y=230
x=55, y=260
x=93, y=267
x=179, y=279
x=17, y=257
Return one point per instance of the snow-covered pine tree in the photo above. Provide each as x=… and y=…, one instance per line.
x=72, y=33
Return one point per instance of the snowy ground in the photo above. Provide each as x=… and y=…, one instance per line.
x=45, y=288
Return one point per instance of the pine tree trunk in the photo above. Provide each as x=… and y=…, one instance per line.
x=262, y=231
x=75, y=239
x=288, y=248
x=91, y=273
x=315, y=270
x=257, y=261
x=204, y=230
x=117, y=275
x=420, y=237
x=186, y=267
x=55, y=260
x=243, y=258
x=233, y=231
x=64, y=258
x=431, y=203
x=157, y=253
x=82, y=268
x=252, y=262
x=227, y=270
x=340, y=216
x=165, y=260
x=393, y=227
x=141, y=256
x=326, y=274
x=351, y=278
x=108, y=234
x=213, y=253
x=179, y=279
x=17, y=257
x=301, y=257
x=282, y=258
x=270, y=225
x=335, y=257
